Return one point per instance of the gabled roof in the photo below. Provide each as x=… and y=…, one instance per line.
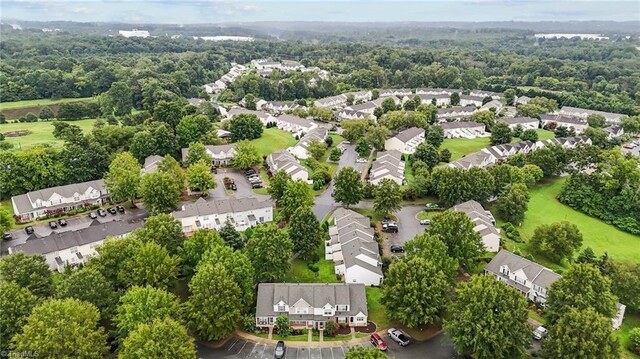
x=460, y=124
x=563, y=119
x=203, y=207
x=295, y=120
x=516, y=120
x=24, y=202
x=317, y=295
x=409, y=134
x=536, y=273
x=451, y=110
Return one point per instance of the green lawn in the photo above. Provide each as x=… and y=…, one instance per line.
x=291, y=338
x=41, y=102
x=377, y=312
x=460, y=147
x=273, y=140
x=631, y=320
x=544, y=208
x=300, y=273
x=336, y=139
x=41, y=133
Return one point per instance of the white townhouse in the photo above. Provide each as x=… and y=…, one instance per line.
x=242, y=213
x=264, y=117
x=464, y=129
x=294, y=124
x=216, y=86
x=260, y=103
x=361, y=95
x=346, y=114
x=584, y=113
x=493, y=104
x=285, y=161
x=429, y=99
x=311, y=305
x=469, y=100
x=388, y=165
x=455, y=112
x=151, y=164
x=73, y=247
x=366, y=107
x=280, y=106
x=378, y=102
x=577, y=123
x=566, y=142
x=613, y=131
x=395, y=92
x=263, y=64
x=331, y=101
x=300, y=150
x=485, y=224
x=353, y=248
x=527, y=123
x=483, y=94
x=477, y=159
x=134, y=33
x=406, y=141
x=522, y=100
x=221, y=155
x=35, y=204
x=506, y=150
x=437, y=91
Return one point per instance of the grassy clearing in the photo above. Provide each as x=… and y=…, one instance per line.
x=291, y=338
x=544, y=208
x=631, y=320
x=336, y=139
x=273, y=140
x=300, y=273
x=40, y=102
x=369, y=212
x=41, y=133
x=377, y=312
x=461, y=147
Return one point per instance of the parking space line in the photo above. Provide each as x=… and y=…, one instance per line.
x=236, y=340
x=243, y=345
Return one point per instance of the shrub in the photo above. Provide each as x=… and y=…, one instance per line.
x=282, y=326
x=511, y=232
x=409, y=194
x=313, y=267
x=634, y=339
x=331, y=328
x=249, y=323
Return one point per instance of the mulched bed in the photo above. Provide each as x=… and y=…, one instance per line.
x=370, y=328
x=343, y=331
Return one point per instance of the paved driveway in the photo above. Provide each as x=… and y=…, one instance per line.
x=244, y=187
x=324, y=203
x=408, y=226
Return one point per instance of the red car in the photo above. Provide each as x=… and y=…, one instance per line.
x=377, y=342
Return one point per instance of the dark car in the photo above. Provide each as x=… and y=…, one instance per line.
x=62, y=222
x=112, y=210
x=234, y=187
x=256, y=185
x=250, y=172
x=280, y=351
x=53, y=225
x=29, y=230
x=120, y=209
x=93, y=215
x=397, y=249
x=102, y=212
x=7, y=236
x=214, y=169
x=390, y=228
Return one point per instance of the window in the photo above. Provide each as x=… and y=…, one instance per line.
x=281, y=308
x=342, y=308
x=303, y=310
x=261, y=219
x=360, y=319
x=73, y=249
x=328, y=312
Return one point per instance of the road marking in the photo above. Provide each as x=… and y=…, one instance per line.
x=252, y=349
x=243, y=345
x=234, y=343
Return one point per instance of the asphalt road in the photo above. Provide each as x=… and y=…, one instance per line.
x=244, y=187
x=408, y=226
x=435, y=348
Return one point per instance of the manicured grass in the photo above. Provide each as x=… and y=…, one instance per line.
x=41, y=102
x=377, y=313
x=460, y=147
x=544, y=208
x=428, y=214
x=272, y=140
x=535, y=316
x=369, y=212
x=542, y=135
x=631, y=320
x=300, y=273
x=41, y=133
x=336, y=139
x=292, y=338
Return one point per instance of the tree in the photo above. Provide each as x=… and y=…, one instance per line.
x=531, y=174
x=191, y=128
x=159, y=192
x=143, y=305
x=363, y=148
x=16, y=303
x=89, y=285
x=428, y=154
x=194, y=248
x=445, y=155
x=245, y=126
x=433, y=250
x=277, y=186
x=200, y=177
x=28, y=271
x=361, y=352
x=296, y=195
x=580, y=287
x=165, y=140
x=415, y=292
x=77, y=336
x=169, y=112
x=143, y=145
x=347, y=187
x=435, y=136
x=118, y=100
x=305, y=232
x=624, y=278
x=6, y=220
x=500, y=133
x=587, y=256
x=529, y=135
x=455, y=99
x=250, y=102
x=111, y=254
x=46, y=113
x=387, y=197
x=488, y=320
x=531, y=110
x=123, y=178
x=546, y=160
x=510, y=96
x=504, y=176
x=151, y=265
x=163, y=230
x=335, y=154
x=162, y=338
x=212, y=311
x=376, y=136
x=388, y=104
x=562, y=131
x=238, y=267
x=517, y=131
x=629, y=124
x=455, y=229
x=595, y=120
x=556, y=241
x=634, y=339
x=316, y=149
x=269, y=250
x=231, y=236
x=581, y=333
x=282, y=326
x=246, y=155
x=355, y=129
x=487, y=118
x=512, y=205
x=197, y=152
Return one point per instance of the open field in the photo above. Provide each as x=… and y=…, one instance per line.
x=40, y=102
x=273, y=140
x=461, y=147
x=41, y=133
x=377, y=313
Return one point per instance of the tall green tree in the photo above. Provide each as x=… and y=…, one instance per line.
x=428, y=154
x=111, y=254
x=194, y=248
x=159, y=192
x=435, y=136
x=197, y=152
x=317, y=149
x=169, y=165
x=118, y=100
x=595, y=120
x=246, y=155
x=305, y=232
x=269, y=249
x=510, y=96
x=557, y=241
x=433, y=250
x=28, y=271
x=415, y=292
x=143, y=145
x=89, y=285
x=581, y=333
x=76, y=336
x=488, y=320
x=296, y=195
x=231, y=236
x=123, y=178
x=376, y=136
x=348, y=187
x=169, y=112
x=200, y=177
x=191, y=128
x=162, y=338
x=238, y=267
x=6, y=220
x=531, y=174
x=245, y=126
x=624, y=279
x=512, y=205
x=150, y=264
x=455, y=229
x=455, y=99
x=143, y=305
x=163, y=230
x=277, y=186
x=500, y=133
x=387, y=197
x=16, y=303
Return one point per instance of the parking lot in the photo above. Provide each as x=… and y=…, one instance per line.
x=243, y=186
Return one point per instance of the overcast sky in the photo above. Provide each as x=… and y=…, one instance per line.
x=219, y=11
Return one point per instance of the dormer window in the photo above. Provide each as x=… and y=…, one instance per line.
x=281, y=308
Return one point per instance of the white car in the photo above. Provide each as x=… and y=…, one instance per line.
x=539, y=333
x=398, y=337
x=361, y=160
x=425, y=222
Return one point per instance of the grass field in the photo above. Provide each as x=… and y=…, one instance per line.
x=273, y=140
x=544, y=208
x=41, y=102
x=41, y=133
x=300, y=273
x=460, y=147
x=377, y=313
x=631, y=320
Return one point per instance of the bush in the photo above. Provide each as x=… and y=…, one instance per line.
x=409, y=194
x=4, y=145
x=282, y=326
x=511, y=232
x=634, y=339
x=249, y=323
x=313, y=267
x=331, y=328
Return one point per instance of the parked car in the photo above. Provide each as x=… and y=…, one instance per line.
x=280, y=350
x=214, y=169
x=255, y=180
x=29, y=230
x=120, y=209
x=102, y=212
x=93, y=215
x=377, y=342
x=256, y=185
x=112, y=210
x=396, y=248
x=390, y=228
x=62, y=222
x=431, y=206
x=7, y=236
x=425, y=222
x=233, y=187
x=250, y=172
x=539, y=333
x=53, y=225
x=362, y=160
x=398, y=337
